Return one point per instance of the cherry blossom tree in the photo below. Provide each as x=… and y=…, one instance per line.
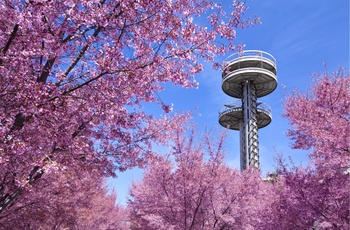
x=66, y=200
x=320, y=120
x=74, y=75
x=317, y=196
x=192, y=193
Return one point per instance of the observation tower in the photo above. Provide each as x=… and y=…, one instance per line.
x=247, y=76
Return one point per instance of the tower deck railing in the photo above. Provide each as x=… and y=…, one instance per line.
x=248, y=70
x=236, y=105
x=264, y=108
x=248, y=54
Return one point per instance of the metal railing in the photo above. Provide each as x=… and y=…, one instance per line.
x=249, y=54
x=248, y=70
x=264, y=108
x=236, y=105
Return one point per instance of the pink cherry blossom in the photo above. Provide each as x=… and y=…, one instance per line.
x=316, y=196
x=74, y=75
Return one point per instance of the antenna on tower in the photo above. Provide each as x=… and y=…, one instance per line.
x=248, y=75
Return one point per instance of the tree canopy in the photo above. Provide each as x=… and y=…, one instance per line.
x=74, y=75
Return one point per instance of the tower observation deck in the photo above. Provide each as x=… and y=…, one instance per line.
x=248, y=76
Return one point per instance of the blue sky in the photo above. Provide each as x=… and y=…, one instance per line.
x=301, y=35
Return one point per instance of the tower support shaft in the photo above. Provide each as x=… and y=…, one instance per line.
x=249, y=128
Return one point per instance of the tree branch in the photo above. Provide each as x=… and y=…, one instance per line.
x=85, y=83
x=12, y=36
x=46, y=70
x=80, y=128
x=197, y=208
x=82, y=52
x=31, y=179
x=34, y=175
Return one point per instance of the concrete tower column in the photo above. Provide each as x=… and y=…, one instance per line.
x=249, y=132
